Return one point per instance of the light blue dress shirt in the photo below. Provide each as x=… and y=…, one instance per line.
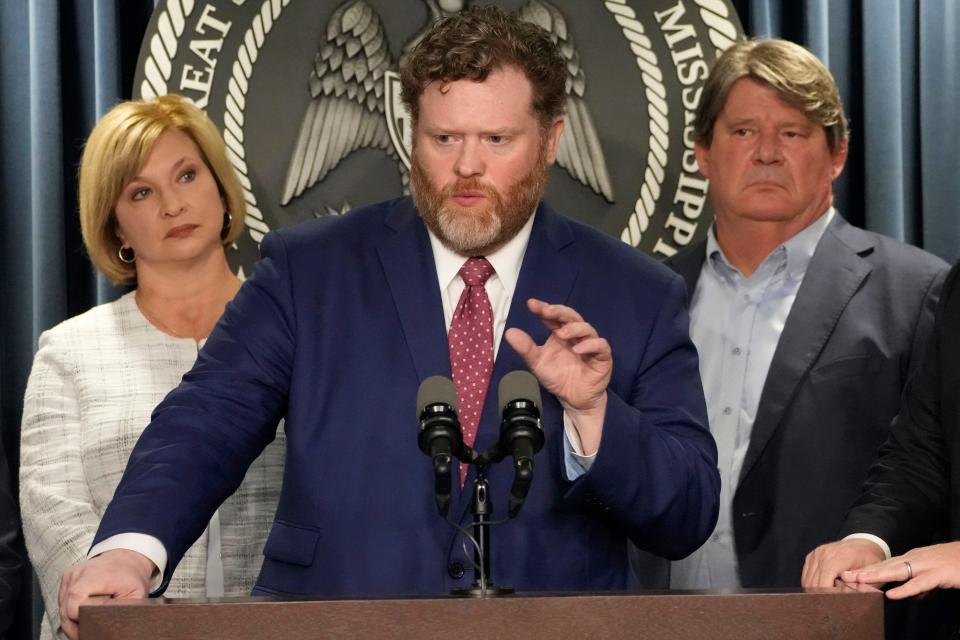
x=736, y=322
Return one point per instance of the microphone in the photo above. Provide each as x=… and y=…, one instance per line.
x=439, y=435
x=521, y=432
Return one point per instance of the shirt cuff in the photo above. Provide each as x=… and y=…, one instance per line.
x=577, y=464
x=143, y=544
x=872, y=538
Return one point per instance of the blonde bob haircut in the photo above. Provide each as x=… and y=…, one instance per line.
x=797, y=76
x=115, y=153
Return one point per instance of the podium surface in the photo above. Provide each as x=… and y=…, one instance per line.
x=741, y=615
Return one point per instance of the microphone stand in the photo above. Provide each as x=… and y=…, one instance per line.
x=521, y=436
x=482, y=509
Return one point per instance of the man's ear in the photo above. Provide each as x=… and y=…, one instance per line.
x=702, y=154
x=839, y=158
x=554, y=132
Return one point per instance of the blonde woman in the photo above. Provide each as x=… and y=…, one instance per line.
x=159, y=202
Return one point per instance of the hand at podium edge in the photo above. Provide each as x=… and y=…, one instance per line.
x=848, y=587
x=118, y=573
x=825, y=564
x=932, y=567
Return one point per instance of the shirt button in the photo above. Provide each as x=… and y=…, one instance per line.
x=727, y=411
x=455, y=570
x=715, y=537
x=736, y=351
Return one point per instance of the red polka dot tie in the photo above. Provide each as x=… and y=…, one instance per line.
x=471, y=348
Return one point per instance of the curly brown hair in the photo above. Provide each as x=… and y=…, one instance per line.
x=478, y=40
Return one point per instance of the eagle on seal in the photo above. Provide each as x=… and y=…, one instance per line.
x=347, y=110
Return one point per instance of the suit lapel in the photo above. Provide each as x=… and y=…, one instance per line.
x=834, y=275
x=547, y=274
x=411, y=273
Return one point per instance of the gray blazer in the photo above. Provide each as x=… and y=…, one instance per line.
x=854, y=334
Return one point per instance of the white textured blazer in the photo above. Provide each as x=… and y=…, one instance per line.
x=96, y=379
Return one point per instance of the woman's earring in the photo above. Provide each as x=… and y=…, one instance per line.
x=126, y=255
x=227, y=221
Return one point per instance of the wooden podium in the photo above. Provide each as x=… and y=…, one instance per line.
x=825, y=614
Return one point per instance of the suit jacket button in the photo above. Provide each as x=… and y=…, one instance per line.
x=455, y=570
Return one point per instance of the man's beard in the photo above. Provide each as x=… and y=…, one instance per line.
x=475, y=231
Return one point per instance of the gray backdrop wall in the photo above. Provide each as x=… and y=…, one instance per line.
x=64, y=62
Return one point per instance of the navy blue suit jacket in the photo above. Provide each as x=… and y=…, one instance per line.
x=336, y=329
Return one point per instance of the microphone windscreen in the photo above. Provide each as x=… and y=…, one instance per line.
x=518, y=385
x=436, y=389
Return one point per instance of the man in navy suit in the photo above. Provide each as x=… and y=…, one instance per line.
x=344, y=318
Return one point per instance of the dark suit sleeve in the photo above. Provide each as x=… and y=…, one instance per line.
x=925, y=319
x=11, y=558
x=656, y=469
x=205, y=434
x=906, y=498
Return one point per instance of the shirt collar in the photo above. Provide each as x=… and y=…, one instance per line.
x=505, y=261
x=798, y=249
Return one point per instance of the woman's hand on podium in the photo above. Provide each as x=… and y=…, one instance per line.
x=118, y=573
x=922, y=569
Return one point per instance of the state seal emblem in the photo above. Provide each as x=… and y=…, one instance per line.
x=306, y=93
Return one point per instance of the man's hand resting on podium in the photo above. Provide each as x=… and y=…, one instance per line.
x=825, y=565
x=118, y=573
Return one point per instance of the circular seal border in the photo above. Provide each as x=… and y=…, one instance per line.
x=723, y=34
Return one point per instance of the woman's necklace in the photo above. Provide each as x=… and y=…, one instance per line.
x=156, y=322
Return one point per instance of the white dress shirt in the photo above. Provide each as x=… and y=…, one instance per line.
x=735, y=323
x=500, y=286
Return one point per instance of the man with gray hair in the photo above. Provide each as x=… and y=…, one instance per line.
x=807, y=327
